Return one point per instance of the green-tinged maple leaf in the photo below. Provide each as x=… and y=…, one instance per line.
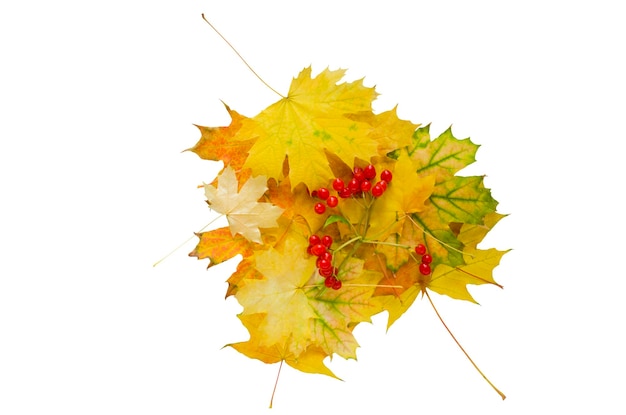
x=220, y=245
x=339, y=311
x=462, y=199
x=309, y=120
x=440, y=240
x=443, y=156
x=456, y=200
x=241, y=207
x=299, y=310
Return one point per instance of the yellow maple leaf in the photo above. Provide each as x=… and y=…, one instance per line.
x=281, y=296
x=310, y=361
x=406, y=194
x=310, y=119
x=244, y=213
x=389, y=131
x=452, y=281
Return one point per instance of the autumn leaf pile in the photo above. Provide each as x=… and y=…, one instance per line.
x=317, y=259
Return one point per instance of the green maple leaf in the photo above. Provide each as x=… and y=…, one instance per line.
x=462, y=199
x=454, y=198
x=443, y=156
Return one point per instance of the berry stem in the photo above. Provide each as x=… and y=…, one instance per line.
x=461, y=347
x=241, y=57
x=438, y=240
x=356, y=238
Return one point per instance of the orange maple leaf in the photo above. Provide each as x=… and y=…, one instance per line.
x=218, y=144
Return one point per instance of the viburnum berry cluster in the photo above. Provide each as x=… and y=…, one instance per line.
x=427, y=259
x=362, y=183
x=321, y=248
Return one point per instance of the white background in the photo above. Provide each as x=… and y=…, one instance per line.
x=97, y=100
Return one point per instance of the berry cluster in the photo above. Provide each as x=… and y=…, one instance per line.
x=420, y=249
x=320, y=247
x=362, y=182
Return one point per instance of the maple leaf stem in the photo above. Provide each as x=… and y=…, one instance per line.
x=186, y=241
x=241, y=57
x=502, y=395
x=276, y=383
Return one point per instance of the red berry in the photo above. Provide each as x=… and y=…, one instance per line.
x=424, y=269
x=330, y=281
x=369, y=171
x=427, y=259
x=386, y=176
x=366, y=185
x=314, y=240
x=345, y=193
x=338, y=184
x=327, y=255
x=336, y=284
x=324, y=264
x=323, y=193
x=319, y=208
x=327, y=241
x=332, y=201
x=382, y=184
x=377, y=190
x=318, y=249
x=358, y=174
x=420, y=249
x=354, y=185
x=325, y=272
